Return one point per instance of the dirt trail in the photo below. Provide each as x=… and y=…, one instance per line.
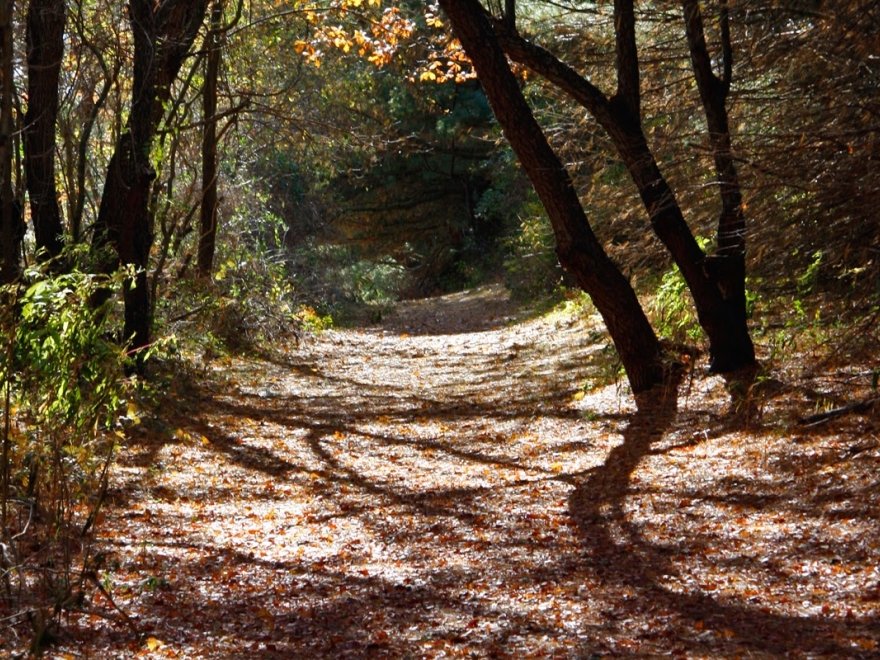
x=442, y=486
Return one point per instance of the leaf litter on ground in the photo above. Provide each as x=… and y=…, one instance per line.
x=446, y=485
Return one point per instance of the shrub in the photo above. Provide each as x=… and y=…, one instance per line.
x=63, y=392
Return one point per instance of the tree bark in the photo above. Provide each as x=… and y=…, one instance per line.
x=208, y=217
x=709, y=279
x=163, y=35
x=579, y=251
x=11, y=228
x=726, y=269
x=45, y=48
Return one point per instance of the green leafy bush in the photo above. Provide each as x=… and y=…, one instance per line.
x=249, y=302
x=672, y=309
x=63, y=393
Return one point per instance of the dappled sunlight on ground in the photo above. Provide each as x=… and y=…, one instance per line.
x=432, y=491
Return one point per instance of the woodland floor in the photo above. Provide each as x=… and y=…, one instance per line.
x=444, y=485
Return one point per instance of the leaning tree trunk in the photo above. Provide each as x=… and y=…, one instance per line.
x=709, y=280
x=45, y=48
x=579, y=251
x=163, y=35
x=11, y=229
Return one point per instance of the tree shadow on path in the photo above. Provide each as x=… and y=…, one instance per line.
x=619, y=554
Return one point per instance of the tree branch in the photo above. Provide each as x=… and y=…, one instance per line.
x=713, y=93
x=627, y=56
x=707, y=81
x=510, y=14
x=555, y=71
x=858, y=407
x=726, y=47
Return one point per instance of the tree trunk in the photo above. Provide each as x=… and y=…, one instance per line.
x=11, y=228
x=123, y=232
x=726, y=269
x=724, y=322
x=579, y=251
x=208, y=218
x=713, y=281
x=45, y=48
x=163, y=35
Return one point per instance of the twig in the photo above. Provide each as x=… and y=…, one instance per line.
x=93, y=577
x=820, y=418
x=186, y=315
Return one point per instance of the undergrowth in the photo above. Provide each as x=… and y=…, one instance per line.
x=64, y=397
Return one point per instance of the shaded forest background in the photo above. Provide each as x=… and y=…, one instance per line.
x=310, y=164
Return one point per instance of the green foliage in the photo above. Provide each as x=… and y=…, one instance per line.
x=672, y=309
x=370, y=282
x=434, y=202
x=753, y=298
x=531, y=267
x=66, y=367
x=250, y=303
x=64, y=392
x=607, y=367
x=803, y=329
x=574, y=304
x=340, y=280
x=806, y=282
x=311, y=321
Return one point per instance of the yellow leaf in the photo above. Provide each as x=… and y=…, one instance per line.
x=556, y=467
x=154, y=644
x=579, y=396
x=131, y=412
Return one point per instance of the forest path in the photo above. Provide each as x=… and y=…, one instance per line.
x=443, y=485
